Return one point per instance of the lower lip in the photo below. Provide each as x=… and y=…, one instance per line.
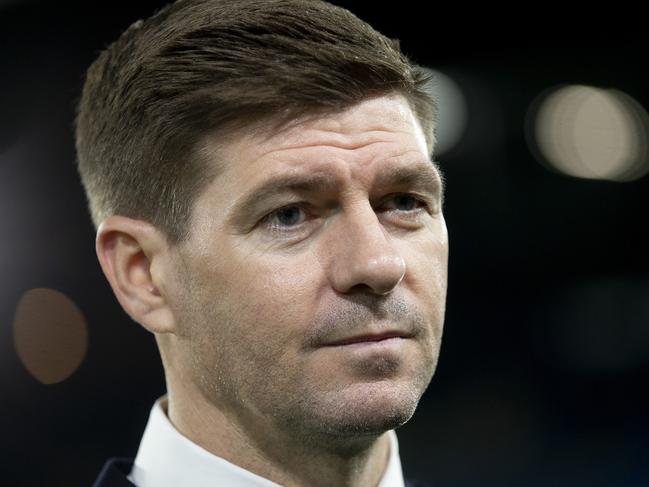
x=371, y=359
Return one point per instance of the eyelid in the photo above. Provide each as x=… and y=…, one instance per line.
x=427, y=204
x=427, y=201
x=265, y=220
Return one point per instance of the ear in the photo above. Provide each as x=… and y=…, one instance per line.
x=134, y=256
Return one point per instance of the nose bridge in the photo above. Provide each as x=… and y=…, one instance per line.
x=363, y=254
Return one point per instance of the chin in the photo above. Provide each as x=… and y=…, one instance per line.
x=365, y=410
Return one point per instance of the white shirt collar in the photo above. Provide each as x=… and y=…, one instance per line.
x=168, y=459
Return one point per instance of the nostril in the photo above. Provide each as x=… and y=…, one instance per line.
x=385, y=273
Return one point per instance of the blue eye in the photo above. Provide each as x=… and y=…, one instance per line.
x=288, y=216
x=406, y=202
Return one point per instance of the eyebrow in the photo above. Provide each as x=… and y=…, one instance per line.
x=425, y=177
x=422, y=176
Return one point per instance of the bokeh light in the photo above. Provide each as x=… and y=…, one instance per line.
x=50, y=335
x=590, y=133
x=452, y=112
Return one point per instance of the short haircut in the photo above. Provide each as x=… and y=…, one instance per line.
x=200, y=67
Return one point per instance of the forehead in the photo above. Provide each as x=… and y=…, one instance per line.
x=373, y=141
x=381, y=125
x=384, y=119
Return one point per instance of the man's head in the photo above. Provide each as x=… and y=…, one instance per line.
x=216, y=66
x=261, y=174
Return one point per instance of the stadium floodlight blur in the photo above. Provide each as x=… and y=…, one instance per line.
x=590, y=133
x=452, y=113
x=50, y=335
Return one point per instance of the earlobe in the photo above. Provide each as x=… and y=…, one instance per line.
x=128, y=251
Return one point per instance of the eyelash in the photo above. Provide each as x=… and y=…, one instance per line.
x=412, y=215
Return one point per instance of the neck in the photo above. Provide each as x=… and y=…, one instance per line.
x=268, y=451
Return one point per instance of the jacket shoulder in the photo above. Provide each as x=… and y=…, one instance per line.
x=115, y=473
x=417, y=483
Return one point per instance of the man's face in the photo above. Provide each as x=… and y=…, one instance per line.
x=312, y=289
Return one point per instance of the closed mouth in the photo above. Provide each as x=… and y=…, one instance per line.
x=367, y=338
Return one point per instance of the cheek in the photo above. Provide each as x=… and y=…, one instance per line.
x=426, y=276
x=271, y=300
x=427, y=259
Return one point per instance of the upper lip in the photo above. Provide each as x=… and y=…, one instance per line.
x=368, y=337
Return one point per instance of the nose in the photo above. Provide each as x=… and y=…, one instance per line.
x=362, y=257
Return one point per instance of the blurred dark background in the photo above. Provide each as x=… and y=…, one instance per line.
x=543, y=377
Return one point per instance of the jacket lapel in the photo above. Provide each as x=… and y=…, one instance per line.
x=114, y=473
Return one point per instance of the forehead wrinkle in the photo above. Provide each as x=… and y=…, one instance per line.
x=339, y=130
x=328, y=140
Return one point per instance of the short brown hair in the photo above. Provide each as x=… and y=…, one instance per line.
x=216, y=66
